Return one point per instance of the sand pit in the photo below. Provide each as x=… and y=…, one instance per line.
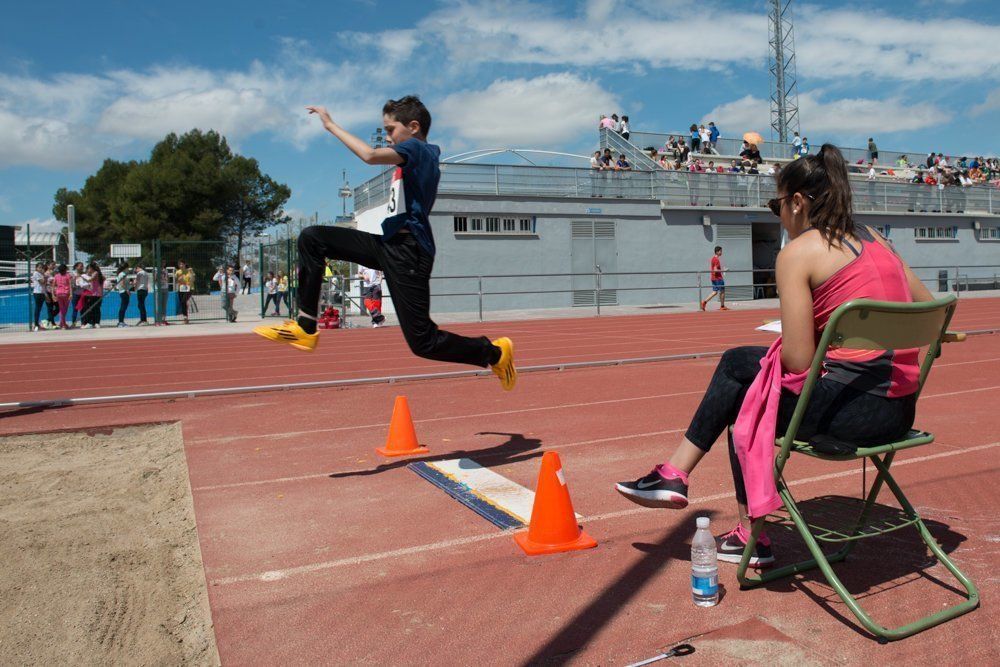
x=101, y=563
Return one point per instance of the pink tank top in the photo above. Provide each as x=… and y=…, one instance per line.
x=875, y=273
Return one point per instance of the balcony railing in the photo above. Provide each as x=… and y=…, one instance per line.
x=679, y=189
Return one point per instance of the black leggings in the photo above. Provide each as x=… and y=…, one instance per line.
x=182, y=299
x=835, y=409
x=407, y=267
x=269, y=299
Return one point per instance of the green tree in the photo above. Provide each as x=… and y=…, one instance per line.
x=192, y=188
x=254, y=201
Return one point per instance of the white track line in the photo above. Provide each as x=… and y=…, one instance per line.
x=568, y=445
x=275, y=575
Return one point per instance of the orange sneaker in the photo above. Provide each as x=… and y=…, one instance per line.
x=504, y=369
x=289, y=332
x=723, y=308
x=703, y=304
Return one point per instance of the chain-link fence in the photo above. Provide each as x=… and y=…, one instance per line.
x=194, y=281
x=279, y=278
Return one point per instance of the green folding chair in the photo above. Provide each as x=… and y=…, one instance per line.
x=864, y=325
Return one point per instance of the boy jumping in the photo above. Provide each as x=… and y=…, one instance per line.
x=718, y=281
x=404, y=252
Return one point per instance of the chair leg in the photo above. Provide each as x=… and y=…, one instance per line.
x=821, y=560
x=794, y=568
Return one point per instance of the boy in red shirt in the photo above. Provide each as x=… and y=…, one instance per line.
x=718, y=282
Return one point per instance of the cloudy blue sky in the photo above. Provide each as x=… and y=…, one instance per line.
x=82, y=81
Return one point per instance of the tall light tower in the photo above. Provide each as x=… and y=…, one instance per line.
x=781, y=63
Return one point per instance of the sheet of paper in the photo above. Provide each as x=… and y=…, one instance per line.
x=773, y=327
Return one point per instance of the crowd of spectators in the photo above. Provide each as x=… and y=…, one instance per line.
x=937, y=169
x=694, y=152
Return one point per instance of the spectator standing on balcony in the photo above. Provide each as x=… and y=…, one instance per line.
x=605, y=124
x=624, y=129
x=872, y=151
x=713, y=136
x=796, y=144
x=805, y=147
x=695, y=139
x=616, y=124
x=596, y=175
x=141, y=292
x=930, y=161
x=706, y=142
x=718, y=280
x=622, y=165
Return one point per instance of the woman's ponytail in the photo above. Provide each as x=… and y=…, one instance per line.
x=823, y=178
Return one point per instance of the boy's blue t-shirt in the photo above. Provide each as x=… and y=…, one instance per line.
x=420, y=175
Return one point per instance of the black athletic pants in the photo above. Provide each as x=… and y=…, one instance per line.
x=124, y=298
x=835, y=409
x=140, y=296
x=407, y=267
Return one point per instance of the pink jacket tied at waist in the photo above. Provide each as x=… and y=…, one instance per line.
x=755, y=429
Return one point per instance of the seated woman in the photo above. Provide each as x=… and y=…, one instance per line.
x=862, y=397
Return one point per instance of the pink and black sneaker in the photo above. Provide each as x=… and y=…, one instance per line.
x=655, y=490
x=731, y=545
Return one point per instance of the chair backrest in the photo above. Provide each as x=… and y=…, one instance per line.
x=863, y=324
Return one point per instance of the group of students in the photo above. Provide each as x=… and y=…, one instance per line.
x=276, y=291
x=865, y=398
x=79, y=294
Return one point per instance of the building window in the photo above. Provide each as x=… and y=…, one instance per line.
x=944, y=233
x=990, y=233
x=499, y=225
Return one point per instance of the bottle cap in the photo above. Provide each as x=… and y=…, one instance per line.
x=702, y=521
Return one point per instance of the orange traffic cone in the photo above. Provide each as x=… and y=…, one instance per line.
x=402, y=440
x=553, y=525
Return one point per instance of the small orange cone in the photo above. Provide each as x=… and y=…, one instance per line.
x=553, y=526
x=402, y=440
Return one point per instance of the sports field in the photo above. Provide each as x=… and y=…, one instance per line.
x=317, y=550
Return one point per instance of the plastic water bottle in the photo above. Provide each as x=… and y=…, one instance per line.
x=704, y=566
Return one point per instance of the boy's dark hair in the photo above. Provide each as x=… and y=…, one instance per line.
x=823, y=179
x=408, y=109
x=718, y=248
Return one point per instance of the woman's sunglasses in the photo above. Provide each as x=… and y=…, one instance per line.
x=775, y=204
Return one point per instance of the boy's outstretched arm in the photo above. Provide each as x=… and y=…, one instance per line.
x=357, y=146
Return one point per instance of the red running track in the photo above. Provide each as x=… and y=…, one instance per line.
x=48, y=371
x=318, y=551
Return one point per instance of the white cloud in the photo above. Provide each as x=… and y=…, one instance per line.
x=837, y=117
x=834, y=44
x=40, y=225
x=991, y=103
x=528, y=113
x=606, y=33
x=72, y=121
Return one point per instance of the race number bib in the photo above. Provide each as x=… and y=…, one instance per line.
x=184, y=288
x=397, y=200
